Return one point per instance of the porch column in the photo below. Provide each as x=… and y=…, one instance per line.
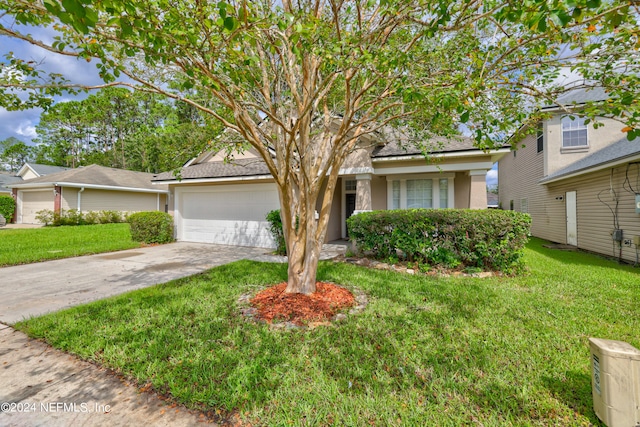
x=14, y=193
x=478, y=189
x=363, y=193
x=57, y=198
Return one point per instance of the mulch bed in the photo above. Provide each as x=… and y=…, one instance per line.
x=274, y=304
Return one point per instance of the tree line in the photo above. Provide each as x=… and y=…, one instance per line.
x=114, y=127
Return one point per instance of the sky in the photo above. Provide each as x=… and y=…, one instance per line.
x=22, y=124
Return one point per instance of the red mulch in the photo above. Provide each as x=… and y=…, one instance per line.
x=274, y=304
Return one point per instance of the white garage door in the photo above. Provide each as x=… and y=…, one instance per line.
x=226, y=214
x=32, y=202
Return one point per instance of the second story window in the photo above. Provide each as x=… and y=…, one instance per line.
x=574, y=132
x=540, y=138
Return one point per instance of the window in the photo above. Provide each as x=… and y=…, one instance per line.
x=424, y=193
x=524, y=205
x=444, y=193
x=510, y=205
x=419, y=193
x=540, y=138
x=350, y=185
x=396, y=195
x=574, y=132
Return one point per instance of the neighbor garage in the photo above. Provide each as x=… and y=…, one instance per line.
x=226, y=214
x=31, y=202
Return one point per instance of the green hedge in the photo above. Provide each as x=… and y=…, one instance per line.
x=486, y=239
x=151, y=227
x=7, y=207
x=75, y=217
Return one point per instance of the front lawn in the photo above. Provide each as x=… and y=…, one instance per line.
x=23, y=246
x=426, y=351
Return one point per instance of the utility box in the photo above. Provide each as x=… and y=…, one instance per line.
x=615, y=380
x=638, y=203
x=616, y=235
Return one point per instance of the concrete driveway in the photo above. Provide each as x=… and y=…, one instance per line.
x=35, y=289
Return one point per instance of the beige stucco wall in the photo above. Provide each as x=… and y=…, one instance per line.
x=462, y=188
x=334, y=228
x=360, y=158
x=558, y=158
x=378, y=193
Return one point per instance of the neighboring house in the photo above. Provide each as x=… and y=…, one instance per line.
x=577, y=182
x=35, y=170
x=27, y=171
x=492, y=200
x=7, y=178
x=226, y=202
x=89, y=188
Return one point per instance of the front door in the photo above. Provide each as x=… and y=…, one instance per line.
x=572, y=218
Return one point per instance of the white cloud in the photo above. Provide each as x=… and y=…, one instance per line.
x=492, y=177
x=26, y=129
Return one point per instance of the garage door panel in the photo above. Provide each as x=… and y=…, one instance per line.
x=234, y=215
x=33, y=202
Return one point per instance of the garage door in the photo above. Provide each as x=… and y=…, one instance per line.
x=228, y=215
x=32, y=202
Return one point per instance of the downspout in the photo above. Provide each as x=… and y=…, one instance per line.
x=80, y=199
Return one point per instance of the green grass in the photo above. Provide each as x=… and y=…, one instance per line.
x=23, y=246
x=426, y=351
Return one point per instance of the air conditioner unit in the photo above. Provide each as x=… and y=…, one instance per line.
x=615, y=368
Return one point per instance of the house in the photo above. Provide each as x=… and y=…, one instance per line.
x=579, y=183
x=7, y=178
x=27, y=171
x=35, y=170
x=226, y=202
x=89, y=188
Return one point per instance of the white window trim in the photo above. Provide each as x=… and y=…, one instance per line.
x=435, y=189
x=577, y=128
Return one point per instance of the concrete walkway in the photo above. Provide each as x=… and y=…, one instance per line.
x=41, y=386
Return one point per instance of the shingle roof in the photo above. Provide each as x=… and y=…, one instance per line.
x=234, y=168
x=437, y=146
x=98, y=175
x=46, y=169
x=7, y=178
x=579, y=96
x=616, y=151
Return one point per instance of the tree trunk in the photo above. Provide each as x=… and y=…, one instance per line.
x=303, y=266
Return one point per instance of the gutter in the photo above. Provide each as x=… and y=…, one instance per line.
x=90, y=186
x=468, y=153
x=80, y=199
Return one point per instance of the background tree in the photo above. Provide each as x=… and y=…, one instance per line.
x=14, y=153
x=303, y=82
x=119, y=128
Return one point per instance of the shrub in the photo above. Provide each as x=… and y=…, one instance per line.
x=7, y=207
x=151, y=227
x=45, y=216
x=487, y=239
x=75, y=217
x=275, y=226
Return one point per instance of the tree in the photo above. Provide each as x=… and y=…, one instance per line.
x=304, y=82
x=116, y=127
x=14, y=153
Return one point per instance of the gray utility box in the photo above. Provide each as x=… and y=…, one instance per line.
x=615, y=380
